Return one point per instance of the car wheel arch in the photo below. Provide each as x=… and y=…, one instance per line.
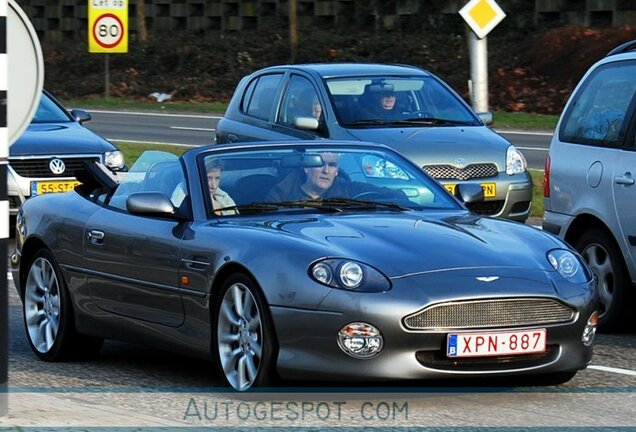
x=29, y=250
x=586, y=222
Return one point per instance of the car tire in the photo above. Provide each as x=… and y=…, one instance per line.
x=605, y=259
x=244, y=341
x=48, y=314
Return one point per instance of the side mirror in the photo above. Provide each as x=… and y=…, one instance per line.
x=469, y=193
x=486, y=117
x=306, y=123
x=80, y=115
x=151, y=204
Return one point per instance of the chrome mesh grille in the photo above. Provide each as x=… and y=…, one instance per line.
x=39, y=167
x=489, y=314
x=449, y=172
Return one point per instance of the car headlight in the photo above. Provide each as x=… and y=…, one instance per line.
x=114, y=159
x=515, y=161
x=569, y=265
x=349, y=275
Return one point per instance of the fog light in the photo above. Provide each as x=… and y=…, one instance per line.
x=360, y=340
x=590, y=329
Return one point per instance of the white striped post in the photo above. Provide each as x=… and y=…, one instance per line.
x=4, y=213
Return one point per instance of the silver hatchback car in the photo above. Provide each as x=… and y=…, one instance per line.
x=590, y=195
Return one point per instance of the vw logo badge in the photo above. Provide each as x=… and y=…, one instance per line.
x=460, y=163
x=57, y=166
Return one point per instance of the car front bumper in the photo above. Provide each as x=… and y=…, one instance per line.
x=314, y=353
x=512, y=200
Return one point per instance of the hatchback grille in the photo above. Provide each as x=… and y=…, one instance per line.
x=437, y=360
x=39, y=167
x=449, y=172
x=487, y=208
x=489, y=314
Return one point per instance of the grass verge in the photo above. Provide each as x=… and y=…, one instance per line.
x=537, y=193
x=525, y=121
x=147, y=105
x=133, y=150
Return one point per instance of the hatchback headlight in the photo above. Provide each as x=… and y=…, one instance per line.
x=568, y=265
x=114, y=159
x=349, y=275
x=515, y=161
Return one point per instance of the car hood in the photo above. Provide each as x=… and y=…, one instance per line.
x=59, y=138
x=410, y=243
x=441, y=145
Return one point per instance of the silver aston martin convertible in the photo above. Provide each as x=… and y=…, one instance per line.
x=322, y=260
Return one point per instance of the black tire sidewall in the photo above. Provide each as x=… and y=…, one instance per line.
x=266, y=372
x=615, y=314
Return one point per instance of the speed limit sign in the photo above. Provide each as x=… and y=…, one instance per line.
x=108, y=26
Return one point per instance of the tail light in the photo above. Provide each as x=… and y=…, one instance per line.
x=546, y=178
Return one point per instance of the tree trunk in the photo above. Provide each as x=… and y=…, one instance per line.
x=293, y=29
x=142, y=31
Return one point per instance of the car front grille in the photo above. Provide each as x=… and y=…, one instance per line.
x=486, y=208
x=450, y=172
x=39, y=167
x=484, y=314
x=437, y=360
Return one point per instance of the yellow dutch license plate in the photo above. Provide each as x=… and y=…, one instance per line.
x=44, y=187
x=490, y=189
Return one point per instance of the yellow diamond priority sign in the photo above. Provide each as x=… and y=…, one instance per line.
x=482, y=16
x=108, y=26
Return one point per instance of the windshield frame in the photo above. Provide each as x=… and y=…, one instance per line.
x=447, y=203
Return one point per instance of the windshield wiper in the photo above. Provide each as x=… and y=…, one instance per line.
x=259, y=207
x=431, y=121
x=366, y=122
x=358, y=203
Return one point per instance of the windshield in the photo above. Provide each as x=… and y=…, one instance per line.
x=403, y=101
x=49, y=112
x=326, y=179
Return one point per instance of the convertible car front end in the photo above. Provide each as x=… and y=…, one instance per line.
x=385, y=276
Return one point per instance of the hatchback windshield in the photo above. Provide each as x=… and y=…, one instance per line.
x=401, y=101
x=325, y=179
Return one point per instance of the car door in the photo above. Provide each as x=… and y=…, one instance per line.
x=132, y=261
x=625, y=194
x=251, y=119
x=300, y=99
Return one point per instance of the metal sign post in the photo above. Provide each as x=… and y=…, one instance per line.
x=107, y=31
x=481, y=16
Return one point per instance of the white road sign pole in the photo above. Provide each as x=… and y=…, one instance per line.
x=481, y=16
x=478, y=54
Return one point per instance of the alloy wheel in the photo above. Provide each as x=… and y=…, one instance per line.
x=598, y=259
x=42, y=305
x=240, y=336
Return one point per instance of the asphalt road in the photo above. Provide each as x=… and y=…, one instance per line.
x=198, y=129
x=162, y=385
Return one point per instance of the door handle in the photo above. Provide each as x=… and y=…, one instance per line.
x=96, y=237
x=627, y=180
